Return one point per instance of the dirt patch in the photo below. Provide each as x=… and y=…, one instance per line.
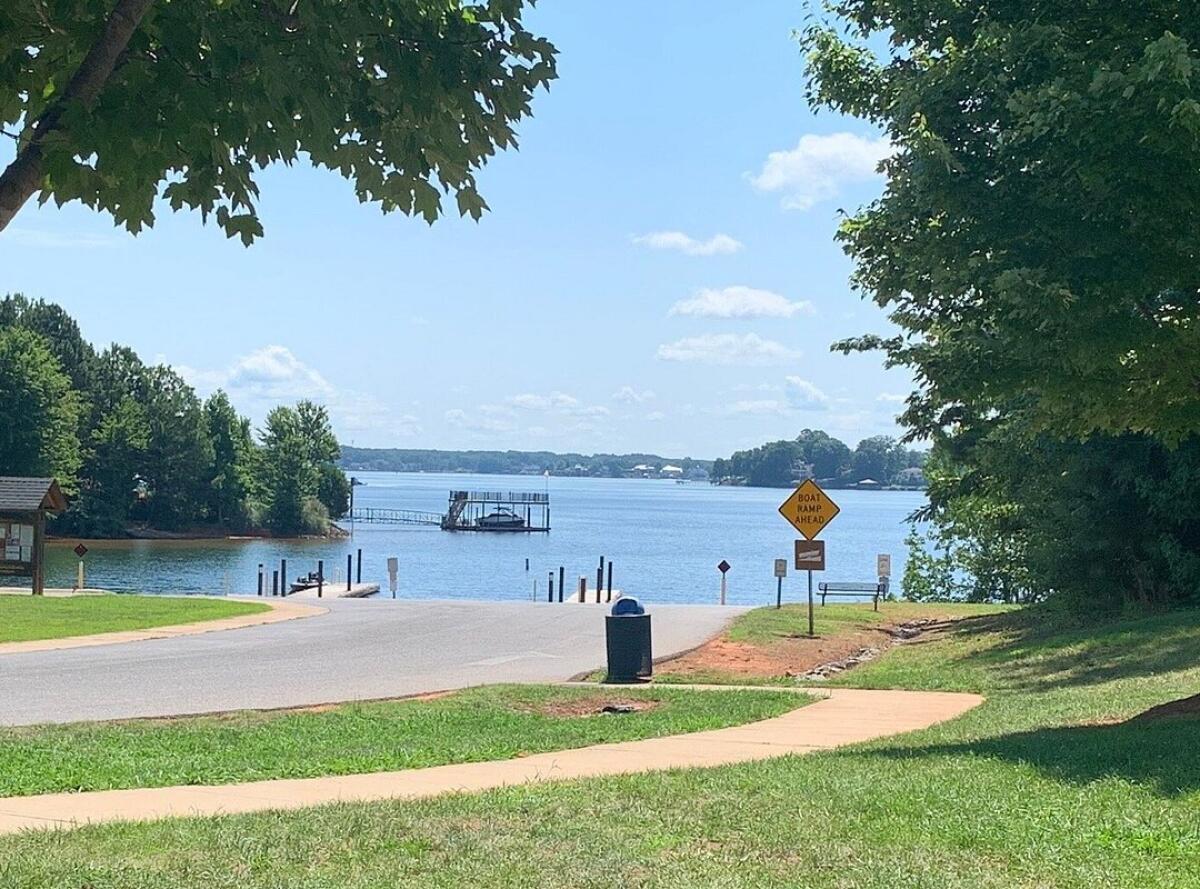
x=1185, y=707
x=591, y=707
x=797, y=657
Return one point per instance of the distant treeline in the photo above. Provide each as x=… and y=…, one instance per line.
x=816, y=454
x=513, y=462
x=132, y=445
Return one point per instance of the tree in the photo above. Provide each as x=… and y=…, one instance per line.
x=117, y=100
x=289, y=476
x=1036, y=239
x=233, y=452
x=1035, y=243
x=60, y=331
x=179, y=454
x=827, y=455
x=879, y=457
x=39, y=411
x=118, y=447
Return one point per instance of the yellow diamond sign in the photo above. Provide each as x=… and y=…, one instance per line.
x=809, y=509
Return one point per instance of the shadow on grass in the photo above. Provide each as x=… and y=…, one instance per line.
x=1036, y=649
x=1159, y=754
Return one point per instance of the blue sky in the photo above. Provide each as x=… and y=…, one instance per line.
x=657, y=273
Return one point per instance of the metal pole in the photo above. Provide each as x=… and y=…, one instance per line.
x=260, y=578
x=779, y=592
x=722, y=587
x=582, y=588
x=283, y=581
x=609, y=580
x=550, y=587
x=526, y=564
x=358, y=571
x=599, y=579
x=811, y=631
x=349, y=565
x=320, y=577
x=562, y=582
x=275, y=582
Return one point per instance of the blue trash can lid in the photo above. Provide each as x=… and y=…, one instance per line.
x=627, y=606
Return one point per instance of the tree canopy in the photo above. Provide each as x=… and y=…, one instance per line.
x=1036, y=244
x=136, y=446
x=114, y=102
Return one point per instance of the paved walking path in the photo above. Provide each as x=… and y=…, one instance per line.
x=845, y=716
x=281, y=609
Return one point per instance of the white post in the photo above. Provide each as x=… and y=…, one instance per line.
x=79, y=577
x=722, y=588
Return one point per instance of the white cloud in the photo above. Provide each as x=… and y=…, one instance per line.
x=655, y=416
x=817, y=168
x=630, y=395
x=274, y=372
x=803, y=395
x=674, y=240
x=891, y=398
x=727, y=348
x=740, y=302
x=758, y=407
x=49, y=240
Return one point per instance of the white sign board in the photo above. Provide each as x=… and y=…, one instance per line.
x=393, y=569
x=883, y=565
x=781, y=567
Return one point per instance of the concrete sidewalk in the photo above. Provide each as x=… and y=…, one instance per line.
x=844, y=716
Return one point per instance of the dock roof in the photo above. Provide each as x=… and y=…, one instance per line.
x=18, y=494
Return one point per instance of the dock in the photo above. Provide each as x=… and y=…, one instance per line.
x=507, y=512
x=336, y=590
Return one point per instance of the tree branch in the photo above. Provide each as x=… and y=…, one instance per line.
x=24, y=175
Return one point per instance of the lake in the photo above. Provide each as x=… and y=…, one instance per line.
x=664, y=538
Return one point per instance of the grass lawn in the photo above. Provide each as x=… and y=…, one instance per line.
x=781, y=635
x=493, y=722
x=1045, y=785
x=26, y=618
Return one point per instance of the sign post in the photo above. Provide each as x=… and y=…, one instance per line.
x=780, y=574
x=81, y=551
x=724, y=569
x=809, y=510
x=883, y=569
x=393, y=569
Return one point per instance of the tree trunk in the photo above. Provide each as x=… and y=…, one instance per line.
x=24, y=175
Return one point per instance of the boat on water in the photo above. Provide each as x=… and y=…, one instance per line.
x=305, y=582
x=502, y=519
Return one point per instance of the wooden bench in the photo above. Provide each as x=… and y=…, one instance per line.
x=875, y=590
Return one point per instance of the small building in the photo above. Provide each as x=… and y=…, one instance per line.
x=24, y=503
x=672, y=471
x=913, y=477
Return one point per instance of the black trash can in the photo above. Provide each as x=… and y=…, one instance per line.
x=627, y=634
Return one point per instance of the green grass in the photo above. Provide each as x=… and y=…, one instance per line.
x=1043, y=787
x=767, y=627
x=27, y=618
x=493, y=722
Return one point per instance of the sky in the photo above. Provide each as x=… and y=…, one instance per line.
x=658, y=272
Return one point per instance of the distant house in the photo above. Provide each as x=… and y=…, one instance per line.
x=672, y=471
x=802, y=472
x=867, y=483
x=913, y=477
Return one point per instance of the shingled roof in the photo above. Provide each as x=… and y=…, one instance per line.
x=30, y=494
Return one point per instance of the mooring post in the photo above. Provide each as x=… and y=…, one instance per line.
x=275, y=582
x=260, y=578
x=349, y=565
x=550, y=587
x=283, y=581
x=358, y=570
x=320, y=577
x=562, y=582
x=599, y=583
x=609, y=599
x=583, y=588
x=526, y=563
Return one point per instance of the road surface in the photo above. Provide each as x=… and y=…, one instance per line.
x=361, y=649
